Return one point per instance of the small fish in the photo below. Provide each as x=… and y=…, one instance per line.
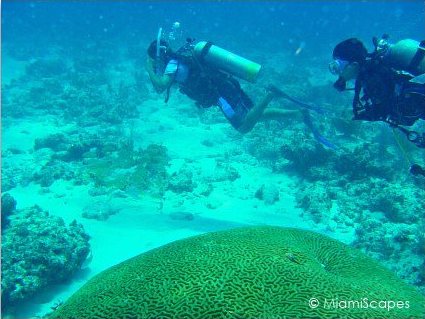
x=300, y=48
x=292, y=258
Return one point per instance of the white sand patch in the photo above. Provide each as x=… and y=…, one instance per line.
x=21, y=133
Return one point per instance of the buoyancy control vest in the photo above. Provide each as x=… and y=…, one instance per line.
x=207, y=78
x=386, y=90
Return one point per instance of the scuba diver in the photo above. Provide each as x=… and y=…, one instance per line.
x=389, y=83
x=206, y=74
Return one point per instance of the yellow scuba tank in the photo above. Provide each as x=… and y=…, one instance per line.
x=402, y=53
x=227, y=61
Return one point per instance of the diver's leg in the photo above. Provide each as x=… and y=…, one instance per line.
x=255, y=113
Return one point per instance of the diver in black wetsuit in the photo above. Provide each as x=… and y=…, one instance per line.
x=389, y=83
x=208, y=85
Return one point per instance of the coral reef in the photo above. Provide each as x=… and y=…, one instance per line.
x=100, y=210
x=8, y=207
x=225, y=172
x=81, y=91
x=363, y=161
x=56, y=142
x=182, y=181
x=304, y=152
x=13, y=175
x=398, y=203
x=313, y=161
x=269, y=193
x=39, y=250
x=52, y=171
x=315, y=200
x=251, y=272
x=111, y=163
x=135, y=171
x=399, y=246
x=393, y=200
x=381, y=211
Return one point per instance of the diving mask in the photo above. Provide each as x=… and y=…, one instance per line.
x=337, y=66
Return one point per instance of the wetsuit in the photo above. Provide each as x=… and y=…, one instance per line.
x=384, y=94
x=210, y=87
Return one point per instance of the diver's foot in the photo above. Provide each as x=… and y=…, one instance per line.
x=275, y=91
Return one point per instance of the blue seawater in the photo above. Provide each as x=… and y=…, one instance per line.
x=96, y=168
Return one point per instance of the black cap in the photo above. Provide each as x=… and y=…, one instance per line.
x=152, y=49
x=351, y=50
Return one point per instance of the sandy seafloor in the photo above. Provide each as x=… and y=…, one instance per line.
x=140, y=224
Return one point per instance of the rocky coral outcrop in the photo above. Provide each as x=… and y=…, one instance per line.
x=182, y=181
x=225, y=172
x=52, y=171
x=55, y=142
x=401, y=247
x=269, y=193
x=315, y=200
x=8, y=207
x=385, y=216
x=100, y=210
x=39, y=250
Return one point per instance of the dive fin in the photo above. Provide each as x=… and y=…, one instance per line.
x=279, y=93
x=420, y=79
x=319, y=137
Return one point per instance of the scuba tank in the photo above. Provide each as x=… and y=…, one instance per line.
x=407, y=55
x=227, y=61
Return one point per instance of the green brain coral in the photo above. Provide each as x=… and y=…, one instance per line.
x=253, y=272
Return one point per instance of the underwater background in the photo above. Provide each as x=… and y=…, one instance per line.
x=96, y=168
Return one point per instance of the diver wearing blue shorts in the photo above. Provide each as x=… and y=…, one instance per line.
x=208, y=85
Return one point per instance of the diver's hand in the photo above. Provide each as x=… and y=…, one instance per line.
x=160, y=82
x=340, y=84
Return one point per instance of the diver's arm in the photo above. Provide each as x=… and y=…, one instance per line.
x=160, y=82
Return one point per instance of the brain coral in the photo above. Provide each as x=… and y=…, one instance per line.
x=253, y=272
